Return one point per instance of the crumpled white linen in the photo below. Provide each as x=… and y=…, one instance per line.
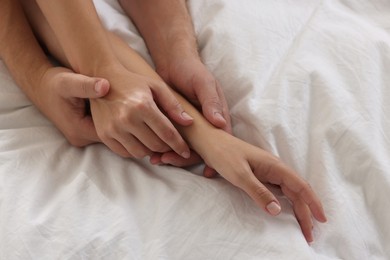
x=305, y=80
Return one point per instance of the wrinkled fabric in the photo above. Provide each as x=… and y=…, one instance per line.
x=305, y=80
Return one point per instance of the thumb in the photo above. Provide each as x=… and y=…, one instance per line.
x=72, y=85
x=212, y=107
x=169, y=103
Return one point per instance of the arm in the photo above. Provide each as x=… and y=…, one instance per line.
x=128, y=119
x=168, y=31
x=57, y=92
x=242, y=164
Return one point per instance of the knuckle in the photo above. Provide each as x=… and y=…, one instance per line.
x=203, y=80
x=106, y=133
x=143, y=103
x=140, y=153
x=262, y=193
x=84, y=86
x=62, y=79
x=125, y=154
x=169, y=135
x=305, y=190
x=210, y=81
x=273, y=165
x=175, y=105
x=213, y=101
x=159, y=147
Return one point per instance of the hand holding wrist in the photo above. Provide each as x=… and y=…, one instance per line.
x=61, y=97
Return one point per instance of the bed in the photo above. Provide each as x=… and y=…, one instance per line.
x=308, y=80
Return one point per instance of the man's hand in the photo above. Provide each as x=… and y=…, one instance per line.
x=190, y=77
x=170, y=37
x=62, y=95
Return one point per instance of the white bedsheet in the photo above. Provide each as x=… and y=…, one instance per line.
x=306, y=79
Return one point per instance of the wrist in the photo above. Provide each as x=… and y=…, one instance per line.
x=166, y=28
x=213, y=145
x=38, y=86
x=95, y=67
x=106, y=69
x=175, y=50
x=168, y=65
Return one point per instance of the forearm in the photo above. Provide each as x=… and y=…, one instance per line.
x=166, y=27
x=81, y=35
x=20, y=50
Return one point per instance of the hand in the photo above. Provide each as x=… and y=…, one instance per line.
x=128, y=120
x=61, y=97
x=190, y=77
x=249, y=168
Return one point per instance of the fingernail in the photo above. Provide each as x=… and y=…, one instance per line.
x=186, y=155
x=219, y=116
x=98, y=86
x=310, y=239
x=273, y=208
x=186, y=116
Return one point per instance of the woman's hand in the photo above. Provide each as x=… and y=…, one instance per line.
x=61, y=97
x=129, y=120
x=249, y=168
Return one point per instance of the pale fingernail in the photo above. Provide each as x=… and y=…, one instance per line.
x=219, y=116
x=98, y=86
x=273, y=208
x=186, y=116
x=186, y=155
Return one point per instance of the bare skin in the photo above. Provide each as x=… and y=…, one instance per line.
x=168, y=32
x=59, y=93
x=130, y=120
x=244, y=165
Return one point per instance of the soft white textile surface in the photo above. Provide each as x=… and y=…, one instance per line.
x=306, y=79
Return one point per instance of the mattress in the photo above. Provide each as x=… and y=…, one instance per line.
x=307, y=80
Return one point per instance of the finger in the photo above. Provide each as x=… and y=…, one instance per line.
x=314, y=203
x=295, y=187
x=225, y=110
x=149, y=139
x=258, y=192
x=155, y=158
x=209, y=172
x=173, y=159
x=117, y=147
x=303, y=215
x=133, y=145
x=76, y=85
x=212, y=107
x=311, y=200
x=169, y=103
x=164, y=129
